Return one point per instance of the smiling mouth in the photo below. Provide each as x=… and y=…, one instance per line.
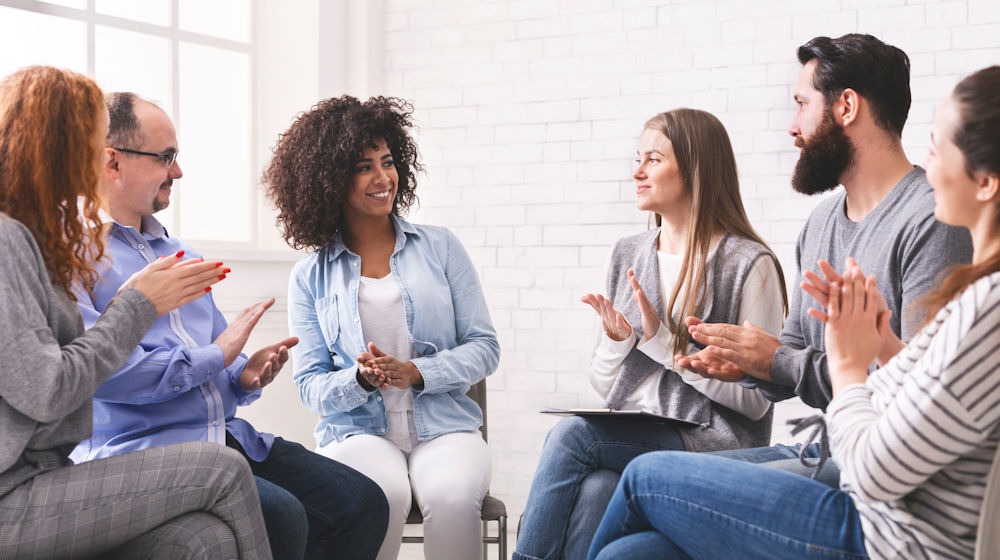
x=383, y=195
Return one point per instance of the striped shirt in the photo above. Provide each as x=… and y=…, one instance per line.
x=916, y=442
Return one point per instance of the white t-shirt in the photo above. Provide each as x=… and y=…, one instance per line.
x=383, y=321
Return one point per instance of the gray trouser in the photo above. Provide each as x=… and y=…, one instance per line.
x=194, y=500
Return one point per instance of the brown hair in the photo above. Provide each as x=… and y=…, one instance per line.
x=313, y=165
x=48, y=160
x=977, y=135
x=708, y=167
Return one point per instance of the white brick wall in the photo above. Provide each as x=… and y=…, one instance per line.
x=529, y=111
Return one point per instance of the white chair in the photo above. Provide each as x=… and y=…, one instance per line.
x=988, y=534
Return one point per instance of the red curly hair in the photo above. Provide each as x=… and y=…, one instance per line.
x=50, y=169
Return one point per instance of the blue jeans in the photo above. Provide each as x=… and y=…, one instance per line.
x=347, y=513
x=284, y=519
x=574, y=450
x=694, y=505
x=786, y=458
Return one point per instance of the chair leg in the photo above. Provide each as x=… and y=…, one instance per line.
x=502, y=527
x=486, y=545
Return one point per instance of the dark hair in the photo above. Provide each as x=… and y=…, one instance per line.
x=124, y=129
x=878, y=72
x=50, y=169
x=314, y=161
x=707, y=165
x=977, y=135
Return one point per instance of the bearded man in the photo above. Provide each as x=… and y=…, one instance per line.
x=853, y=97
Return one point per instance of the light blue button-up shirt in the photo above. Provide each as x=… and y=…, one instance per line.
x=446, y=316
x=173, y=388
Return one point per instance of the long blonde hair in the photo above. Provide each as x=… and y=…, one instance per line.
x=48, y=161
x=707, y=165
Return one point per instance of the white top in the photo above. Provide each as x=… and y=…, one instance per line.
x=915, y=443
x=760, y=303
x=383, y=321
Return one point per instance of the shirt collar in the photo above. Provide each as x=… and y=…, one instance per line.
x=403, y=229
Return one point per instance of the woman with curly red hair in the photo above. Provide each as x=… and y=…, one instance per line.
x=392, y=324
x=192, y=501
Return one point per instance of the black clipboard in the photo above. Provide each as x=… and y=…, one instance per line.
x=619, y=413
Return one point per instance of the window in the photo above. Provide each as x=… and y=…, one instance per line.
x=196, y=58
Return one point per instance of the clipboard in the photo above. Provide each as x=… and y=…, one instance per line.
x=621, y=414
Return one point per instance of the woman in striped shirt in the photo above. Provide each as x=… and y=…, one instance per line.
x=915, y=440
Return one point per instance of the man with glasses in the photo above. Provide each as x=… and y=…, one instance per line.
x=188, y=375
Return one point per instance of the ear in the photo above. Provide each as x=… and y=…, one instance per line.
x=111, y=163
x=847, y=107
x=987, y=185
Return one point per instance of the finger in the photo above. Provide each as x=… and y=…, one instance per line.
x=817, y=314
x=692, y=321
x=833, y=309
x=829, y=272
x=375, y=350
x=821, y=297
x=860, y=296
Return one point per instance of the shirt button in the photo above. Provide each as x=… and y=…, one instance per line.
x=216, y=423
x=378, y=397
x=176, y=388
x=141, y=246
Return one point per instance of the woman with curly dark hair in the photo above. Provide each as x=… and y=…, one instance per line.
x=392, y=323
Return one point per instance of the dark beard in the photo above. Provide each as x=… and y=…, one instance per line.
x=823, y=159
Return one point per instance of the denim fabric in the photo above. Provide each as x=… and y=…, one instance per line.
x=285, y=520
x=446, y=315
x=706, y=507
x=786, y=458
x=347, y=513
x=575, y=448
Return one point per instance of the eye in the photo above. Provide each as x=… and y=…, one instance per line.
x=388, y=163
x=362, y=168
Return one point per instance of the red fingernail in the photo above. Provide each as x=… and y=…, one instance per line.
x=179, y=254
x=208, y=289
x=218, y=264
x=227, y=270
x=222, y=277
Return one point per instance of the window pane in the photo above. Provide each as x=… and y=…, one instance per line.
x=215, y=127
x=78, y=4
x=129, y=61
x=28, y=38
x=227, y=19
x=156, y=12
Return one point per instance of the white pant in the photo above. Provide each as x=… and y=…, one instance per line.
x=448, y=475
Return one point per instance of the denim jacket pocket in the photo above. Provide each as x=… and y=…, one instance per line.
x=329, y=320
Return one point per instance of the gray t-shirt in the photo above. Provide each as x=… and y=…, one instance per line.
x=900, y=242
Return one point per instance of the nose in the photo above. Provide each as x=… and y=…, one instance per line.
x=793, y=129
x=639, y=172
x=175, y=171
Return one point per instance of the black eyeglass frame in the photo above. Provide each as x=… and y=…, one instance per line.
x=168, y=158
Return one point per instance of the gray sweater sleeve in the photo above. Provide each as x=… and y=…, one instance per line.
x=50, y=365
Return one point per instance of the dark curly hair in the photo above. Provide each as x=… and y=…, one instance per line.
x=314, y=161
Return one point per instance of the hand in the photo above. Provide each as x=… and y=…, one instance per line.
x=707, y=365
x=396, y=373
x=615, y=324
x=264, y=365
x=820, y=289
x=170, y=282
x=368, y=377
x=650, y=317
x=234, y=337
x=747, y=347
x=854, y=329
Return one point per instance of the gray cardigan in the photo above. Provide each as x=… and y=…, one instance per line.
x=50, y=367
x=729, y=264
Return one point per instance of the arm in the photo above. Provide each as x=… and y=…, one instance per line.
x=477, y=352
x=326, y=376
x=936, y=416
x=607, y=361
x=155, y=372
x=61, y=377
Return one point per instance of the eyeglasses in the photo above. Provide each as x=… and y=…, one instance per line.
x=168, y=158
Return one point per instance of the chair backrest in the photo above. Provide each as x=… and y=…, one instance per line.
x=478, y=393
x=988, y=534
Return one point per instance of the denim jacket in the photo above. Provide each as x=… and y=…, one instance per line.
x=446, y=316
